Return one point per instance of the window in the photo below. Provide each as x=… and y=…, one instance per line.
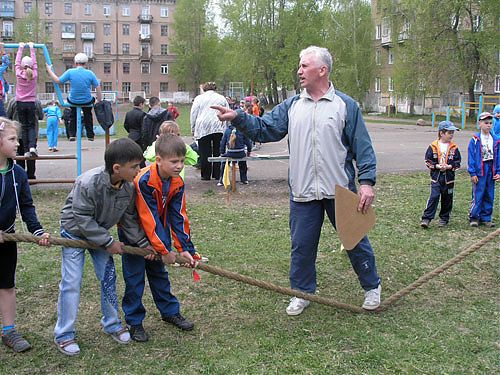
x=145, y=67
x=126, y=10
x=145, y=50
x=478, y=85
x=390, y=85
x=107, y=68
x=88, y=49
x=477, y=22
x=106, y=9
x=145, y=11
x=163, y=12
x=68, y=8
x=164, y=69
x=107, y=48
x=377, y=84
x=378, y=32
x=164, y=49
x=126, y=68
x=391, y=58
x=145, y=87
x=48, y=27
x=378, y=60
x=88, y=28
x=87, y=10
x=28, y=6
x=106, y=28
x=164, y=30
x=497, y=84
x=163, y=86
x=49, y=87
x=68, y=28
x=145, y=30
x=126, y=29
x=29, y=29
x=8, y=28
x=49, y=8
x=125, y=48
x=126, y=87
x=107, y=86
x=386, y=29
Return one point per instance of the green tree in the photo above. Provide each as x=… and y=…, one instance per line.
x=446, y=45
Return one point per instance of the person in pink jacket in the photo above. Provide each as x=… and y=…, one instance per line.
x=26, y=75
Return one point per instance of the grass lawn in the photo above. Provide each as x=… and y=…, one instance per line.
x=448, y=326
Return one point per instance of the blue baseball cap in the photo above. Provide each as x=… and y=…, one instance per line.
x=447, y=125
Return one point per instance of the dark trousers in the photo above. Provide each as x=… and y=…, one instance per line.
x=439, y=190
x=87, y=121
x=306, y=220
x=27, y=117
x=208, y=146
x=27, y=165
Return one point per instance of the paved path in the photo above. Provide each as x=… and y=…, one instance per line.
x=399, y=148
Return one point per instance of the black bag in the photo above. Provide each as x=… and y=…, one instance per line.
x=104, y=114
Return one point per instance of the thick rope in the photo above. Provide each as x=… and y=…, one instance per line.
x=270, y=286
x=430, y=275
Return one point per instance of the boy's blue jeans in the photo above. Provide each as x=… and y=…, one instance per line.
x=73, y=261
x=306, y=220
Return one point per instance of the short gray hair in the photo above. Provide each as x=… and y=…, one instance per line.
x=321, y=54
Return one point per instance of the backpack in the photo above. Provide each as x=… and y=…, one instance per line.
x=104, y=114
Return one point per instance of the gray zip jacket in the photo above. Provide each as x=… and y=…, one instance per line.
x=94, y=206
x=324, y=138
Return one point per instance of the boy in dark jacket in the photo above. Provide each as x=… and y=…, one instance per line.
x=133, y=120
x=443, y=159
x=233, y=145
x=152, y=122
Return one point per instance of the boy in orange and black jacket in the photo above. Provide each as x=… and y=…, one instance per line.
x=161, y=207
x=443, y=159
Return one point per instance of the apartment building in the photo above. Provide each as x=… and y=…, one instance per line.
x=127, y=41
x=383, y=97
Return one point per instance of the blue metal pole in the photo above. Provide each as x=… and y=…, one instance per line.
x=448, y=113
x=433, y=118
x=463, y=115
x=480, y=110
x=78, y=141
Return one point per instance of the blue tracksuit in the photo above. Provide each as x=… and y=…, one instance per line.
x=483, y=193
x=53, y=114
x=496, y=121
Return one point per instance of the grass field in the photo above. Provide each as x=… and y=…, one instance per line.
x=448, y=326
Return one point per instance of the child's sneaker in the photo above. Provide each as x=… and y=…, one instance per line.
x=474, y=223
x=220, y=184
x=296, y=306
x=488, y=224
x=425, y=223
x=15, y=341
x=33, y=152
x=442, y=223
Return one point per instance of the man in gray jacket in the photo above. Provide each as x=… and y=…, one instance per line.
x=326, y=132
x=101, y=198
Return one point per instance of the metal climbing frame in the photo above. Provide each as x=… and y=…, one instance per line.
x=63, y=103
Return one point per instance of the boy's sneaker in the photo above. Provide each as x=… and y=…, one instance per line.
x=33, y=152
x=15, y=341
x=425, y=223
x=474, y=223
x=179, y=321
x=27, y=154
x=72, y=139
x=296, y=306
x=372, y=298
x=138, y=333
x=244, y=182
x=122, y=336
x=220, y=184
x=442, y=223
x=488, y=224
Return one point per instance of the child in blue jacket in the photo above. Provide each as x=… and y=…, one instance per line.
x=484, y=170
x=496, y=120
x=233, y=145
x=443, y=159
x=53, y=113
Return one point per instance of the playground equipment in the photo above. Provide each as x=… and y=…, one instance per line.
x=63, y=103
x=462, y=109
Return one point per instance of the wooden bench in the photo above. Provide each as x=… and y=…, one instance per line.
x=218, y=159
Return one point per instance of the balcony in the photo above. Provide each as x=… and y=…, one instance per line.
x=7, y=9
x=7, y=36
x=145, y=18
x=145, y=56
x=70, y=35
x=88, y=36
x=386, y=40
x=144, y=37
x=68, y=55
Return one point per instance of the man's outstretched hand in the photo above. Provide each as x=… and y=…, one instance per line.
x=225, y=114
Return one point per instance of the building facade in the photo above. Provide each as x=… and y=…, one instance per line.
x=127, y=41
x=382, y=96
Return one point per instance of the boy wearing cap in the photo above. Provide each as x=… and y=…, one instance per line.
x=443, y=159
x=82, y=80
x=496, y=120
x=484, y=170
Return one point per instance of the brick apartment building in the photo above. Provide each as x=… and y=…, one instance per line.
x=127, y=41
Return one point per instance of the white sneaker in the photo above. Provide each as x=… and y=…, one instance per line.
x=33, y=152
x=372, y=298
x=296, y=306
